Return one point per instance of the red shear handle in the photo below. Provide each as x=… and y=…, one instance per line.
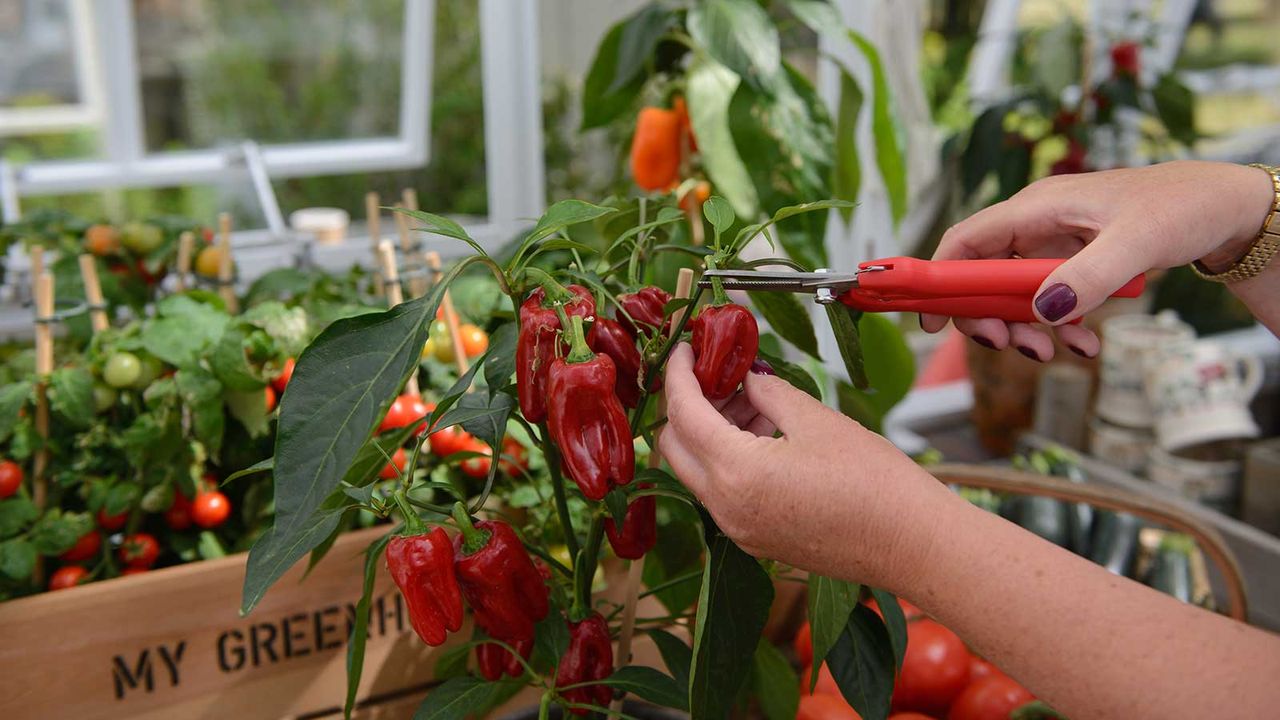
x=904, y=277
x=1010, y=308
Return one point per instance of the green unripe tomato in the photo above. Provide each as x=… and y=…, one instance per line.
x=122, y=370
x=150, y=370
x=443, y=342
x=141, y=238
x=104, y=397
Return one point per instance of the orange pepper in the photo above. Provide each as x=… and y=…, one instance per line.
x=655, y=149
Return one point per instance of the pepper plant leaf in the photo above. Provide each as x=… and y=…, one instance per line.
x=895, y=622
x=604, y=97
x=740, y=36
x=862, y=664
x=788, y=317
x=830, y=604
x=652, y=685
x=500, y=363
x=676, y=654
x=360, y=624
x=774, y=682
x=709, y=89
x=457, y=699
x=844, y=325
x=793, y=374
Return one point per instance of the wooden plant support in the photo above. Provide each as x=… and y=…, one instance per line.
x=684, y=289
x=373, y=221
x=450, y=314
x=93, y=293
x=186, y=252
x=226, y=287
x=395, y=295
x=44, y=367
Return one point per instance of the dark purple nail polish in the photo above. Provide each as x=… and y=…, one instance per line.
x=920, y=319
x=1056, y=302
x=984, y=342
x=760, y=367
x=1080, y=352
x=1028, y=352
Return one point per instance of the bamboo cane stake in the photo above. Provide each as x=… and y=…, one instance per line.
x=684, y=289
x=44, y=367
x=186, y=250
x=373, y=221
x=395, y=295
x=36, y=255
x=450, y=315
x=225, y=287
x=93, y=293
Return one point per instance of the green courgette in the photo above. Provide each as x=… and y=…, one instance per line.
x=1114, y=541
x=1170, y=571
x=1043, y=516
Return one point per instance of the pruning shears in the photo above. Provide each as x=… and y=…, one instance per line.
x=1002, y=289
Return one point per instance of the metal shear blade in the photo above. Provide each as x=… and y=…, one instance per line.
x=780, y=281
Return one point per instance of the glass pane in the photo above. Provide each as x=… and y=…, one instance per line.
x=199, y=202
x=38, y=67
x=268, y=70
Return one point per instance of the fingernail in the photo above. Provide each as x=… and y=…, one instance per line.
x=1080, y=352
x=984, y=342
x=920, y=319
x=1056, y=301
x=760, y=367
x=1028, y=352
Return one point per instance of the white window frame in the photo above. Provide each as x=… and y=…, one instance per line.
x=87, y=112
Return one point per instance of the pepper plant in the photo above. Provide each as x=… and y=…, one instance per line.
x=559, y=417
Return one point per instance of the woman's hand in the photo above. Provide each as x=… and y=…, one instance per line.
x=827, y=496
x=1113, y=226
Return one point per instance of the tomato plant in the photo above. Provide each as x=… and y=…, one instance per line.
x=935, y=668
x=210, y=508
x=991, y=698
x=122, y=370
x=67, y=576
x=87, y=547
x=10, y=478
x=139, y=550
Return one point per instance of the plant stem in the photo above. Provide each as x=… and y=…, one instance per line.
x=473, y=539
x=578, y=352
x=718, y=296
x=555, y=292
x=412, y=523
x=557, y=489
x=586, y=567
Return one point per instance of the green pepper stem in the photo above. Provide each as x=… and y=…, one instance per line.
x=579, y=351
x=412, y=522
x=473, y=539
x=718, y=296
x=585, y=568
x=554, y=291
x=557, y=489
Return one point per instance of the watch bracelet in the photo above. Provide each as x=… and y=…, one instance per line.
x=1265, y=246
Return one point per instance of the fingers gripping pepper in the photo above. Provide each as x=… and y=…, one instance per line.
x=725, y=342
x=495, y=660
x=639, y=529
x=422, y=566
x=645, y=306
x=655, y=149
x=537, y=346
x=587, y=421
x=610, y=338
x=589, y=659
x=505, y=591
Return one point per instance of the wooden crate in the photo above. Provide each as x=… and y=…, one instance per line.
x=171, y=644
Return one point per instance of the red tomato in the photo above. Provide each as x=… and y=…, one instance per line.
x=134, y=570
x=210, y=509
x=515, y=458
x=10, y=478
x=86, y=547
x=934, y=671
x=825, y=707
x=112, y=523
x=804, y=645
x=139, y=550
x=269, y=398
x=980, y=669
x=991, y=698
x=392, y=470
x=477, y=467
x=404, y=410
x=67, y=577
x=826, y=682
x=474, y=340
x=286, y=373
x=178, y=516
x=909, y=611
x=1126, y=58
x=450, y=440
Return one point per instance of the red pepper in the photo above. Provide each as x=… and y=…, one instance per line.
x=588, y=659
x=537, y=347
x=639, y=528
x=494, y=660
x=725, y=342
x=422, y=566
x=587, y=421
x=610, y=338
x=505, y=591
x=644, y=306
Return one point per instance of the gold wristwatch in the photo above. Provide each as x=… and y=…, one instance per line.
x=1264, y=248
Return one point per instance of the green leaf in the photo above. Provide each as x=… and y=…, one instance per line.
x=652, y=685
x=276, y=550
x=259, y=467
x=17, y=558
x=862, y=664
x=500, y=363
x=55, y=532
x=563, y=214
x=12, y=397
x=676, y=553
x=718, y=213
x=890, y=154
x=733, y=607
x=788, y=317
x=740, y=36
x=1056, y=59
x=985, y=145
x=15, y=513
x=640, y=35
x=249, y=407
x=844, y=325
x=890, y=370
x=360, y=625
x=600, y=104
x=1175, y=103
x=775, y=683
x=440, y=225
x=180, y=340
x=452, y=662
x=830, y=604
x=895, y=623
x=121, y=497
x=71, y=395
x=341, y=387
x=202, y=393
x=616, y=502
x=676, y=654
x=709, y=89
x=456, y=699
x=846, y=181
x=792, y=373
x=210, y=546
